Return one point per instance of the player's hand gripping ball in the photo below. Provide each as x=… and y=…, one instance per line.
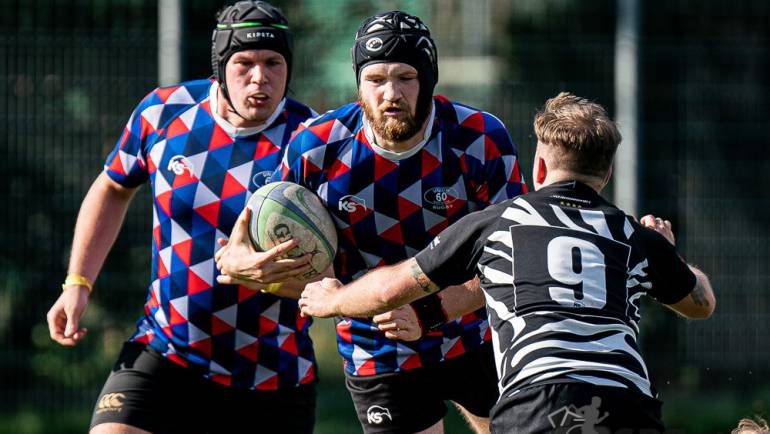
x=281, y=211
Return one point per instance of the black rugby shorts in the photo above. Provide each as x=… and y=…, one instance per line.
x=574, y=408
x=147, y=391
x=413, y=400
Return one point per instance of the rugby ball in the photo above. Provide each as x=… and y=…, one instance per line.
x=281, y=211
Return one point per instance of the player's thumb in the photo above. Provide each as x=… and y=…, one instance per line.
x=72, y=325
x=73, y=319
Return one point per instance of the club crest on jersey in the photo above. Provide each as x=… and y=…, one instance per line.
x=441, y=197
x=351, y=203
x=376, y=415
x=179, y=163
x=262, y=178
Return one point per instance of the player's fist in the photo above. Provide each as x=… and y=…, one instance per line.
x=64, y=316
x=319, y=298
x=661, y=226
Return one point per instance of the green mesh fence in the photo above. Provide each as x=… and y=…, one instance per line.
x=71, y=71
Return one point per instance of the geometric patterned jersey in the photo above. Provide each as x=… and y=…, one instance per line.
x=388, y=206
x=202, y=171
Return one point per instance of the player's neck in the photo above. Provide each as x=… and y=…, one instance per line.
x=555, y=176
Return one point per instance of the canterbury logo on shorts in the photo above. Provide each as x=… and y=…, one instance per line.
x=110, y=402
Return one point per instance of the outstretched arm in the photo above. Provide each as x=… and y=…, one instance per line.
x=405, y=323
x=98, y=224
x=701, y=302
x=389, y=287
x=462, y=299
x=380, y=290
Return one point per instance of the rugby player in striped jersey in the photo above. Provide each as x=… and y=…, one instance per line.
x=563, y=272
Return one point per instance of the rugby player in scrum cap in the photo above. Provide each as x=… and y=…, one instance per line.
x=394, y=169
x=205, y=356
x=563, y=272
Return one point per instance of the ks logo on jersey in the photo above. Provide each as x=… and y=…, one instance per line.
x=179, y=163
x=351, y=203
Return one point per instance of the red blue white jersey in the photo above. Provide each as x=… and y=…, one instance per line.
x=202, y=171
x=388, y=206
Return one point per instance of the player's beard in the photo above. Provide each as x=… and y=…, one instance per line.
x=389, y=128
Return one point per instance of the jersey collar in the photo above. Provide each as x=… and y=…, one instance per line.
x=572, y=188
x=231, y=129
x=394, y=156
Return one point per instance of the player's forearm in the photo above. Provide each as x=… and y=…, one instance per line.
x=381, y=290
x=459, y=300
x=700, y=303
x=99, y=220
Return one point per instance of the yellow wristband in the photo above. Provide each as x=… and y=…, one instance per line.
x=73, y=279
x=272, y=288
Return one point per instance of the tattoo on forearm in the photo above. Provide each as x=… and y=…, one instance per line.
x=425, y=283
x=698, y=296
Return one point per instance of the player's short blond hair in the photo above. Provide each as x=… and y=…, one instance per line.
x=749, y=426
x=583, y=131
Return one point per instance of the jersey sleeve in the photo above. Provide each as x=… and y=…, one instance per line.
x=501, y=172
x=451, y=258
x=126, y=164
x=671, y=278
x=294, y=166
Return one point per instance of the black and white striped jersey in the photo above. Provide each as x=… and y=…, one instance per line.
x=562, y=271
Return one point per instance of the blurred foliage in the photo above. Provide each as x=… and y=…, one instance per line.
x=73, y=70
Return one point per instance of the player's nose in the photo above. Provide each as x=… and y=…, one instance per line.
x=258, y=74
x=392, y=91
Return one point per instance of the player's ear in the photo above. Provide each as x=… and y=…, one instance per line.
x=542, y=170
x=606, y=178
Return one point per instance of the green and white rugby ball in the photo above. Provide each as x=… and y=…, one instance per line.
x=281, y=211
